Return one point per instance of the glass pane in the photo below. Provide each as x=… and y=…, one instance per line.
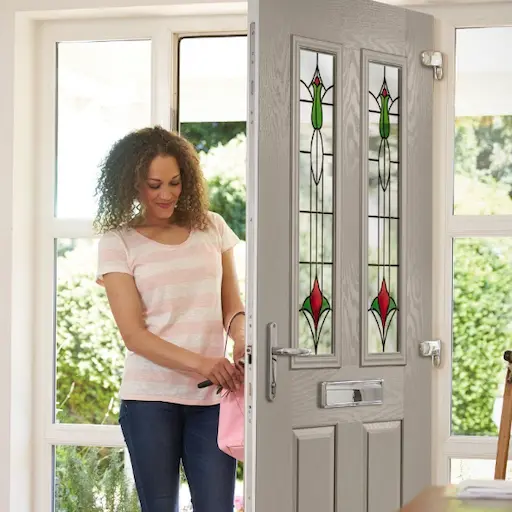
x=483, y=122
x=216, y=90
x=93, y=479
x=103, y=92
x=383, y=208
x=89, y=351
x=316, y=204
x=482, y=329
x=474, y=469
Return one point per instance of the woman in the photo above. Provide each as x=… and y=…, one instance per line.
x=168, y=268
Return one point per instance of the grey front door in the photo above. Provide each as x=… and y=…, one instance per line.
x=339, y=226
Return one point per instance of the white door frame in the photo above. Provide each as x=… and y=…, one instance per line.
x=446, y=226
x=163, y=33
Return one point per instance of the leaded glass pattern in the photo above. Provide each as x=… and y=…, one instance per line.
x=383, y=207
x=316, y=201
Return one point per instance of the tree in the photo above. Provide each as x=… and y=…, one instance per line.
x=483, y=149
x=228, y=198
x=206, y=136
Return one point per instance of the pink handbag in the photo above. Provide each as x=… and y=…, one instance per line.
x=230, y=435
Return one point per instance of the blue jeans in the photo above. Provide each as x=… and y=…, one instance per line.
x=159, y=435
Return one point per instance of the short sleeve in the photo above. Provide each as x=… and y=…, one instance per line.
x=112, y=256
x=228, y=238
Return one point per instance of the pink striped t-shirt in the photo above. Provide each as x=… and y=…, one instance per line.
x=180, y=289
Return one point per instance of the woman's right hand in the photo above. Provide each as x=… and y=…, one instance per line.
x=221, y=372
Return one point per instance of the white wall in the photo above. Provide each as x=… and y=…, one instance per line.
x=6, y=245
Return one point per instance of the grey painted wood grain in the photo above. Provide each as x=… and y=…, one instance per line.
x=351, y=205
x=314, y=468
x=355, y=24
x=351, y=467
x=417, y=399
x=305, y=395
x=384, y=482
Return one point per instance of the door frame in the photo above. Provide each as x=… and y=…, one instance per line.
x=448, y=19
x=164, y=33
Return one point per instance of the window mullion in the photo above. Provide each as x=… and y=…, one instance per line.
x=161, y=77
x=480, y=226
x=84, y=435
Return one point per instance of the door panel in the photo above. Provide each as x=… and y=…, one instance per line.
x=314, y=461
x=316, y=156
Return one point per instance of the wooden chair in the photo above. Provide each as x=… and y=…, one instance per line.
x=500, y=468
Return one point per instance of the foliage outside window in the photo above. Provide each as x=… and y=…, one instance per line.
x=482, y=308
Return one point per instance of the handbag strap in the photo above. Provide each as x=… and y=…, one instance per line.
x=207, y=383
x=228, y=330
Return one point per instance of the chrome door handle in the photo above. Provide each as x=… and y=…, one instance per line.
x=273, y=352
x=291, y=352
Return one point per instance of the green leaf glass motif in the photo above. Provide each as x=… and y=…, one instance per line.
x=316, y=200
x=384, y=191
x=316, y=109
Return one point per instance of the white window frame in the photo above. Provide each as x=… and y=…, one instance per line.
x=447, y=226
x=164, y=34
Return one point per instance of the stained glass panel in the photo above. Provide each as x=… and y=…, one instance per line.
x=316, y=201
x=383, y=208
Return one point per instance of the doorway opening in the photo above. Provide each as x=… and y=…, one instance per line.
x=98, y=87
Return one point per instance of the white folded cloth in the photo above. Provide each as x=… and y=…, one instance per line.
x=484, y=489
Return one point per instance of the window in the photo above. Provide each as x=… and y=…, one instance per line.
x=474, y=314
x=482, y=270
x=99, y=81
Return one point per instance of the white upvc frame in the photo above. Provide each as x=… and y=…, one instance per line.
x=447, y=226
x=164, y=34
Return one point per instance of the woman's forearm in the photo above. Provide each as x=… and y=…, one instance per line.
x=237, y=330
x=161, y=352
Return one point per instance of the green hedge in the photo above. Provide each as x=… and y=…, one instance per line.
x=482, y=314
x=90, y=353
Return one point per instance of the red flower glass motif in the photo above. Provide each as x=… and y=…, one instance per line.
x=383, y=308
x=316, y=308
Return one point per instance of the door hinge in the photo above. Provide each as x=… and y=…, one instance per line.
x=433, y=59
x=432, y=349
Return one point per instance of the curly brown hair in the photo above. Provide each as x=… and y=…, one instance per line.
x=127, y=165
